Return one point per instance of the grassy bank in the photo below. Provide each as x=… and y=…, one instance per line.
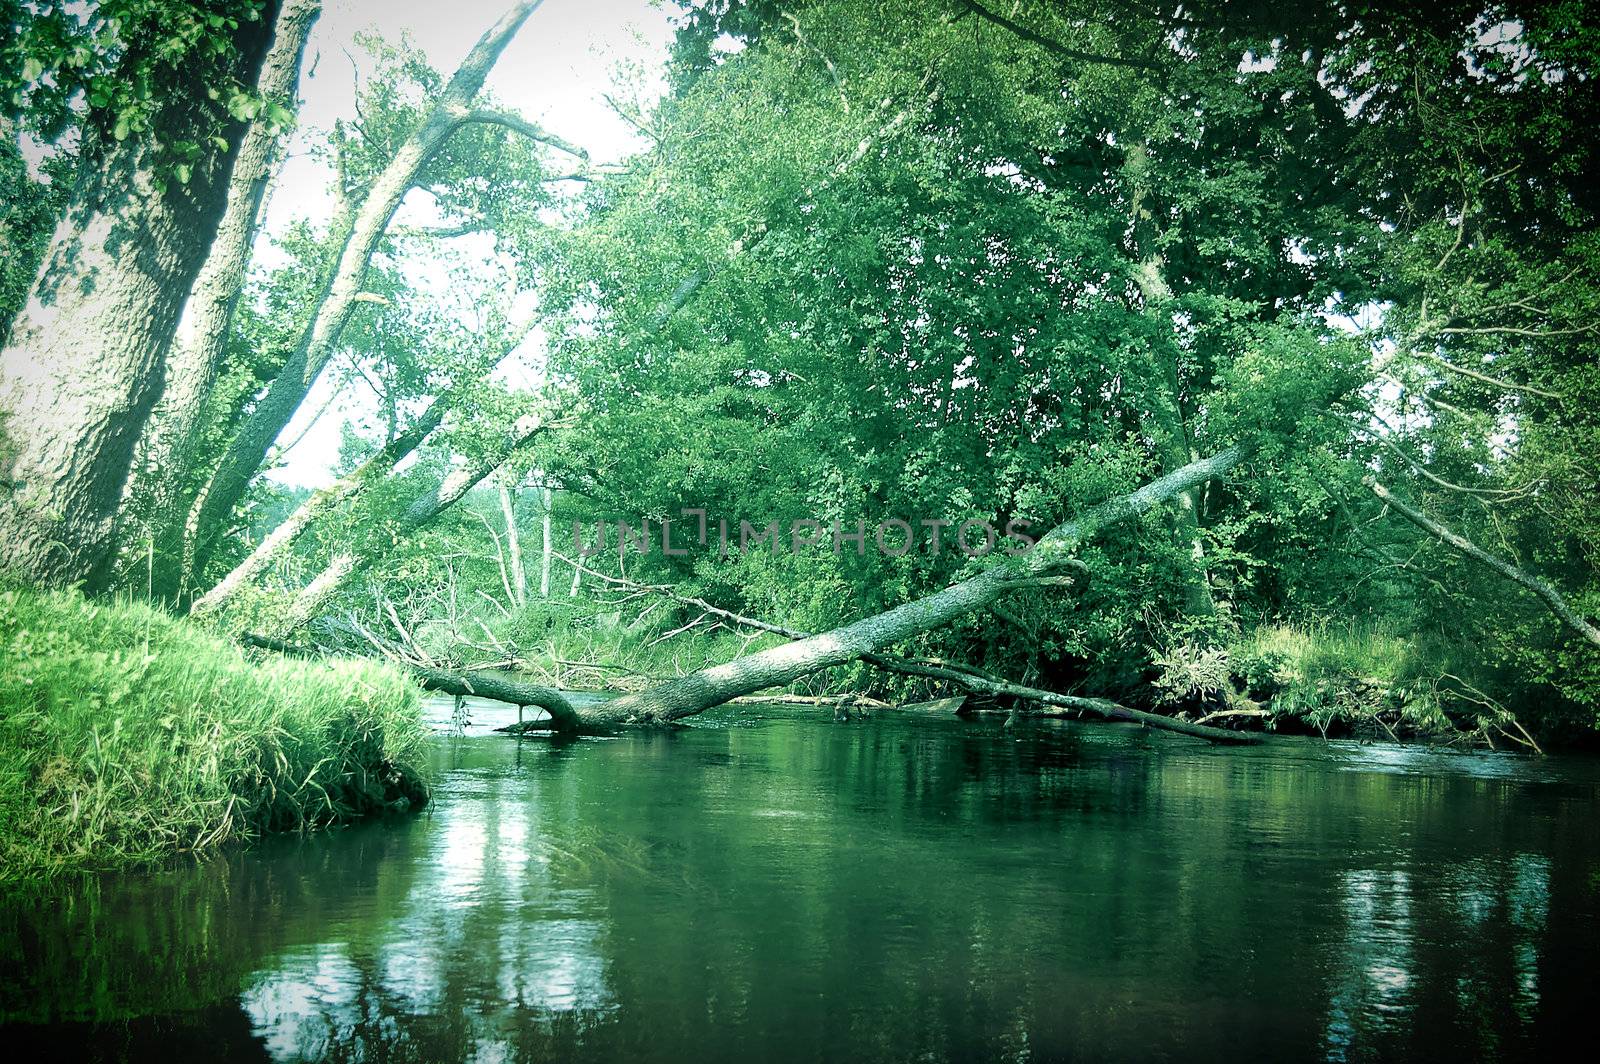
x=1341, y=679
x=126, y=735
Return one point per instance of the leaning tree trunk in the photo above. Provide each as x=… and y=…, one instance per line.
x=340, y=493
x=167, y=452
x=245, y=454
x=702, y=690
x=86, y=358
x=422, y=509
x=1554, y=601
x=1166, y=420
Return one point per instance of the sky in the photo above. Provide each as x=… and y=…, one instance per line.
x=556, y=71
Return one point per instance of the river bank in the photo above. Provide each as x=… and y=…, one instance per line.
x=127, y=736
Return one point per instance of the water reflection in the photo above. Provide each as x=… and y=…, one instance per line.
x=897, y=889
x=1373, y=956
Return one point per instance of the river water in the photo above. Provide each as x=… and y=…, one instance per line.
x=783, y=887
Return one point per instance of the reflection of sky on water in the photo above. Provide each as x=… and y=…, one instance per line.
x=1373, y=958
x=1509, y=899
x=482, y=932
x=1499, y=906
x=299, y=1007
x=889, y=889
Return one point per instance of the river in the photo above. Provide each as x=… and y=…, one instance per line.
x=782, y=887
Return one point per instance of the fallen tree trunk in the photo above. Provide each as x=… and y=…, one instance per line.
x=699, y=691
x=968, y=678
x=1100, y=707
x=777, y=666
x=1553, y=599
x=563, y=717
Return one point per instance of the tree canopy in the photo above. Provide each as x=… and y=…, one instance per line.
x=927, y=263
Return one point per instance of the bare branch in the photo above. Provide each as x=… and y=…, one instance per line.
x=518, y=124
x=1484, y=378
x=1514, y=330
x=1052, y=46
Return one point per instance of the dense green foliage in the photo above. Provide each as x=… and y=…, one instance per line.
x=126, y=735
x=956, y=325
x=969, y=261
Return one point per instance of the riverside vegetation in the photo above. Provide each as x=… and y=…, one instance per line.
x=128, y=735
x=1279, y=324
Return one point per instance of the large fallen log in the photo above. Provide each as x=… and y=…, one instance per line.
x=775, y=667
x=778, y=666
x=563, y=717
x=974, y=680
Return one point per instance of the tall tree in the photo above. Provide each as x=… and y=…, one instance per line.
x=167, y=450
x=85, y=360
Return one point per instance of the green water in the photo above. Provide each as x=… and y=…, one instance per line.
x=900, y=889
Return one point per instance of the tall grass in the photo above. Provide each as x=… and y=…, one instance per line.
x=1351, y=674
x=127, y=735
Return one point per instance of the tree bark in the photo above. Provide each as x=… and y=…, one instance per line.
x=702, y=690
x=519, y=575
x=167, y=458
x=563, y=717
x=86, y=357
x=245, y=454
x=1554, y=601
x=547, y=499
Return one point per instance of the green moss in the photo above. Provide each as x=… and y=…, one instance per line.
x=127, y=735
